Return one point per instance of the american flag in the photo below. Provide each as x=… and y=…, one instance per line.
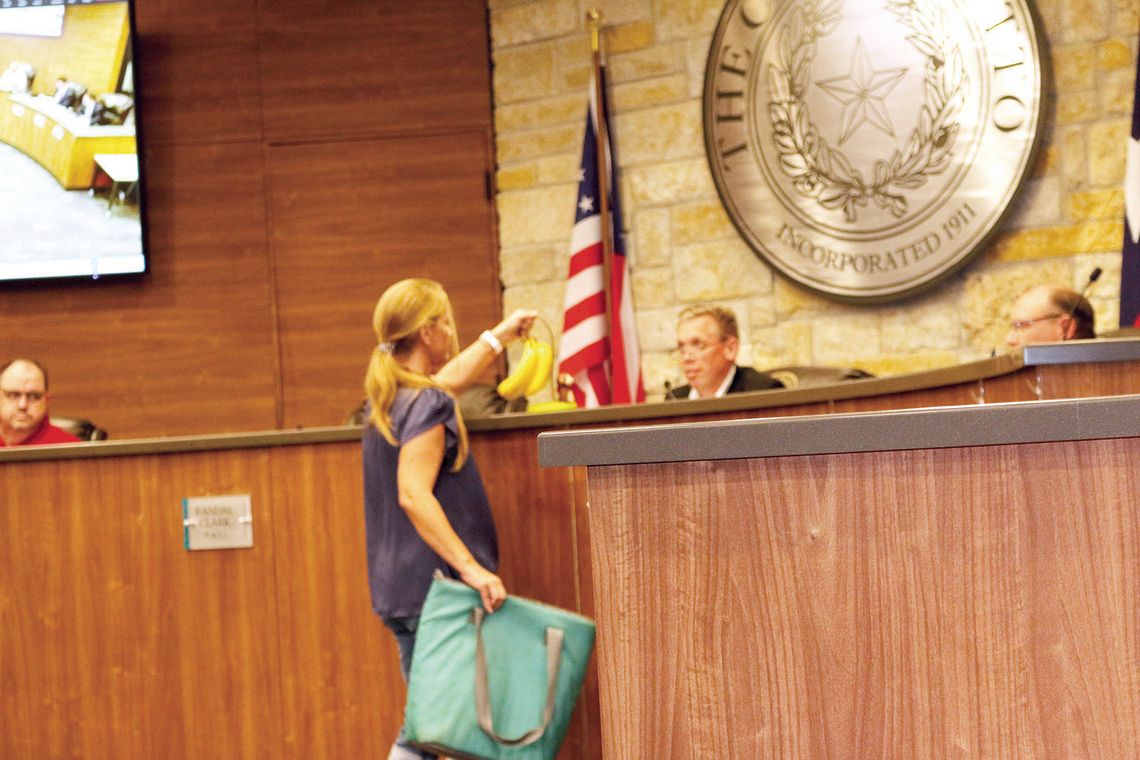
x=599, y=350
x=1130, y=264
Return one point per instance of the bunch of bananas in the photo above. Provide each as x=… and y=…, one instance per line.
x=531, y=373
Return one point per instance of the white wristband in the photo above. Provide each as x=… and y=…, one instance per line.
x=492, y=342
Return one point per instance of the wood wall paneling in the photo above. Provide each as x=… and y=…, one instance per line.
x=200, y=16
x=197, y=87
x=951, y=395
x=117, y=642
x=539, y=513
x=580, y=528
x=355, y=69
x=1053, y=381
x=1085, y=380
x=794, y=410
x=349, y=219
x=970, y=603
x=588, y=715
x=843, y=576
x=228, y=660
x=188, y=348
x=1084, y=559
x=193, y=346
x=1016, y=386
x=522, y=495
x=261, y=653
x=341, y=686
x=198, y=70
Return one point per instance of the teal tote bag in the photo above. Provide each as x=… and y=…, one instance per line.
x=494, y=687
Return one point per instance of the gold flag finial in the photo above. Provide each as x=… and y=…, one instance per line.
x=594, y=19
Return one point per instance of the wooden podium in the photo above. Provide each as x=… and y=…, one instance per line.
x=960, y=582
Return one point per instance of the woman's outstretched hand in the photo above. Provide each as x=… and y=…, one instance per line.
x=516, y=326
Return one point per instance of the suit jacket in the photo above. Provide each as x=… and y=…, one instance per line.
x=747, y=379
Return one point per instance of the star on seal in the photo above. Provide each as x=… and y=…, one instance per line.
x=863, y=93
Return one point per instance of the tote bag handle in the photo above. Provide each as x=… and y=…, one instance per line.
x=482, y=697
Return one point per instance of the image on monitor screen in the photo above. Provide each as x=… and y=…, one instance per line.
x=70, y=179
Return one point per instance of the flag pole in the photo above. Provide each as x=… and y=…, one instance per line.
x=594, y=21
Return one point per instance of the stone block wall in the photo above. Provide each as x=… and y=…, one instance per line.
x=682, y=246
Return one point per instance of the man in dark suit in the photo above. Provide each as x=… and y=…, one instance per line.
x=707, y=343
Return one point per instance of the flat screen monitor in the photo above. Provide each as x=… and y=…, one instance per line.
x=71, y=200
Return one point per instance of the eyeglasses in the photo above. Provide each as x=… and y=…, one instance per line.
x=1021, y=324
x=33, y=397
x=695, y=348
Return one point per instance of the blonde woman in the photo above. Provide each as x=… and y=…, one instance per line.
x=424, y=501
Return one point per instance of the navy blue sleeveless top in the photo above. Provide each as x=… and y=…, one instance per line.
x=400, y=563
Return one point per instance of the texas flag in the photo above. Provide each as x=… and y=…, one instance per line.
x=1130, y=265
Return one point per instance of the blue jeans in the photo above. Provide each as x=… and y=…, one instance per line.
x=405, y=632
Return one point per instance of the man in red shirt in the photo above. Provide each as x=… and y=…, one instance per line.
x=24, y=407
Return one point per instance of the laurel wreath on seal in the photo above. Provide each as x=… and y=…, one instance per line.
x=824, y=173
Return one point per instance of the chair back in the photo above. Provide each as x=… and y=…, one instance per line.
x=84, y=430
x=811, y=377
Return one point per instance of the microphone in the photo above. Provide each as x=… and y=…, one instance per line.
x=668, y=389
x=1094, y=275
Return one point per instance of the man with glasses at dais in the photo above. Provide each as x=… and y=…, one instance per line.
x=1048, y=314
x=708, y=341
x=24, y=407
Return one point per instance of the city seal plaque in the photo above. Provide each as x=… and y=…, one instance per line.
x=868, y=148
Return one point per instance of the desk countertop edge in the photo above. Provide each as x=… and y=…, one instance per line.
x=933, y=427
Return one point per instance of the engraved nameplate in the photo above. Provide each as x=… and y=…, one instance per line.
x=217, y=522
